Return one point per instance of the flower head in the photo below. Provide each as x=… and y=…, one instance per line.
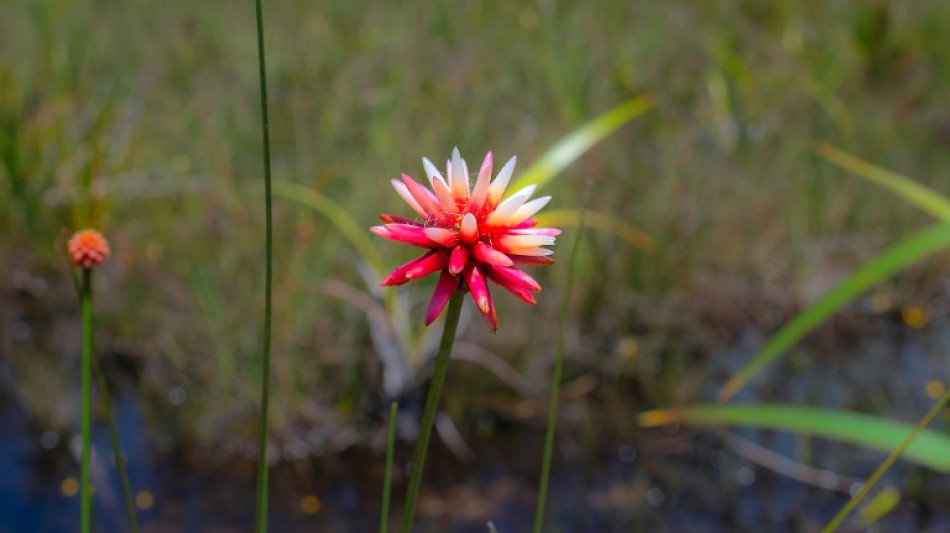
x=470, y=233
x=88, y=248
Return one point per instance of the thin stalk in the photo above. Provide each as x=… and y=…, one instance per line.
x=388, y=478
x=116, y=447
x=85, y=514
x=432, y=405
x=268, y=285
x=556, y=382
x=876, y=476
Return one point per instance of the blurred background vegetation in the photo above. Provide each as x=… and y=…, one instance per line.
x=141, y=119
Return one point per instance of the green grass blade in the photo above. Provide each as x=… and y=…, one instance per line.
x=889, y=262
x=930, y=448
x=599, y=220
x=923, y=197
x=337, y=215
x=568, y=149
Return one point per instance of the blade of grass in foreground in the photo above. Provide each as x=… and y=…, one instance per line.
x=388, y=476
x=906, y=252
x=262, y=472
x=568, y=149
x=930, y=448
x=923, y=197
x=903, y=448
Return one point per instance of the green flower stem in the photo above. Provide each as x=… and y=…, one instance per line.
x=388, y=476
x=116, y=447
x=85, y=514
x=432, y=404
x=261, y=519
x=556, y=382
x=876, y=476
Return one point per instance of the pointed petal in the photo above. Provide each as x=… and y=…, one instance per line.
x=443, y=236
x=398, y=276
x=480, y=192
x=525, y=224
x=497, y=187
x=458, y=259
x=439, y=186
x=423, y=196
x=537, y=260
x=512, y=283
x=534, y=252
x=517, y=244
x=426, y=266
x=396, y=219
x=528, y=209
x=458, y=179
x=476, y=285
x=443, y=291
x=403, y=192
x=407, y=233
x=502, y=214
x=468, y=229
x=553, y=232
x=512, y=277
x=487, y=254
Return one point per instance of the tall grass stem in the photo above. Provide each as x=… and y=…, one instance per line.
x=432, y=405
x=262, y=471
x=388, y=476
x=876, y=476
x=556, y=380
x=85, y=513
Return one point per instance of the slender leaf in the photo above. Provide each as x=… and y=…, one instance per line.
x=892, y=260
x=879, y=506
x=923, y=197
x=602, y=221
x=930, y=448
x=568, y=149
x=335, y=213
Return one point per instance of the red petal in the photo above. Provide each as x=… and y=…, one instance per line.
x=424, y=196
x=515, y=281
x=409, y=234
x=395, y=219
x=443, y=291
x=426, y=266
x=526, y=223
x=443, y=236
x=398, y=276
x=458, y=260
x=538, y=260
x=487, y=254
x=476, y=284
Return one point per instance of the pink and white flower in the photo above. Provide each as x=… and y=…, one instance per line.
x=471, y=234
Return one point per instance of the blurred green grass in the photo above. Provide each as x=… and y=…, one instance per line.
x=141, y=118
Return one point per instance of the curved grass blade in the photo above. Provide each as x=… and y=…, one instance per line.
x=906, y=252
x=336, y=214
x=930, y=448
x=568, y=149
x=923, y=197
x=602, y=221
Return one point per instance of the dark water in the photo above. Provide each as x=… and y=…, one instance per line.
x=604, y=480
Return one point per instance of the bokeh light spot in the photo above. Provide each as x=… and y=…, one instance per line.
x=914, y=316
x=310, y=504
x=69, y=487
x=935, y=389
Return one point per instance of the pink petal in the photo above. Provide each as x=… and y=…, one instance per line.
x=527, y=223
x=480, y=192
x=510, y=277
x=458, y=177
x=476, y=284
x=520, y=244
x=553, y=232
x=510, y=285
x=498, y=186
x=395, y=219
x=423, y=196
x=407, y=233
x=398, y=276
x=443, y=291
x=426, y=266
x=458, y=259
x=487, y=254
x=404, y=193
x=443, y=236
x=536, y=260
